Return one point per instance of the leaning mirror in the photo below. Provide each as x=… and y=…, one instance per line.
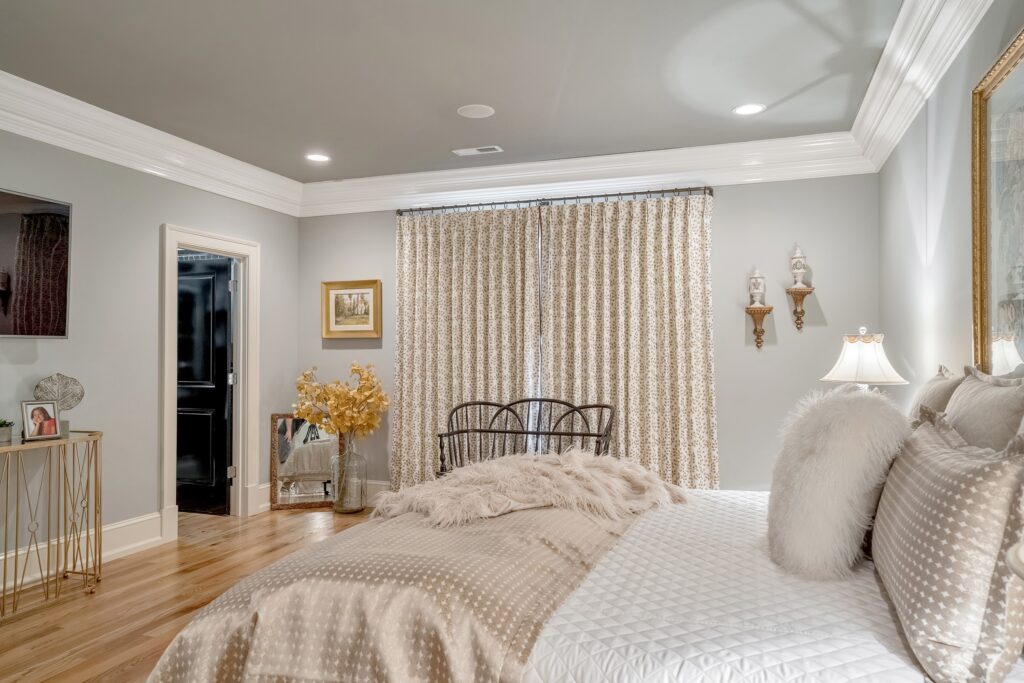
x=302, y=459
x=998, y=206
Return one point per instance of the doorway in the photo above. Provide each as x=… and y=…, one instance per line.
x=249, y=495
x=206, y=375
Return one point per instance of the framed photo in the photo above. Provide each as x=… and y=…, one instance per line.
x=41, y=420
x=351, y=309
x=998, y=205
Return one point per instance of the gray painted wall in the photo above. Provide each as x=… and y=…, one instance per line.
x=350, y=247
x=835, y=220
x=114, y=340
x=925, y=216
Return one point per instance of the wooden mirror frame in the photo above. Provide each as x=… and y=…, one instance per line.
x=1004, y=66
x=274, y=505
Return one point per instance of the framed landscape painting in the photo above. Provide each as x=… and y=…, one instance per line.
x=998, y=203
x=351, y=309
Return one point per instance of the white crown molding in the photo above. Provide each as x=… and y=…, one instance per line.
x=926, y=38
x=36, y=112
x=809, y=156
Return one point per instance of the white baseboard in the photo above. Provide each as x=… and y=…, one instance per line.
x=374, y=487
x=262, y=499
x=257, y=498
x=119, y=539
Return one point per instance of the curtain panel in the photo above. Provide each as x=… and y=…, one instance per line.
x=604, y=302
x=468, y=323
x=626, y=320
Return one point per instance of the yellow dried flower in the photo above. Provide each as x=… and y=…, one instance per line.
x=340, y=408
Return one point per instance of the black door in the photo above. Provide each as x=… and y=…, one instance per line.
x=204, y=389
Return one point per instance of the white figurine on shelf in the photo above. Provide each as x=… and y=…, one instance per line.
x=798, y=266
x=756, y=288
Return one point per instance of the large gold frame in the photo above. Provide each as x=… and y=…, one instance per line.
x=1003, y=67
x=274, y=504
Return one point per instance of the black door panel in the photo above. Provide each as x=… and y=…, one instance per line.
x=204, y=394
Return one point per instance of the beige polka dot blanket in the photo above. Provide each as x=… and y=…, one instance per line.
x=412, y=595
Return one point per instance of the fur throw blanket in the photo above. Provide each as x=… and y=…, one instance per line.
x=600, y=486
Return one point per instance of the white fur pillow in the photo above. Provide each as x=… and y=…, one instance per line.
x=837, y=448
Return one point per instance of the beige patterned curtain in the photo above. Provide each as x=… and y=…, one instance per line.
x=467, y=323
x=626, y=320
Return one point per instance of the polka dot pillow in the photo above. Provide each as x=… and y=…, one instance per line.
x=947, y=516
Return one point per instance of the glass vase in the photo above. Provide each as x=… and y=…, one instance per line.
x=350, y=492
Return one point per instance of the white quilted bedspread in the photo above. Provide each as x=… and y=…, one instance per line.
x=689, y=594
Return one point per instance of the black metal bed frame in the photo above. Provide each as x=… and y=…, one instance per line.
x=484, y=430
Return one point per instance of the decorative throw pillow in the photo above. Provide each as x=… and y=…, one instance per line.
x=948, y=514
x=1016, y=373
x=986, y=411
x=936, y=392
x=836, y=450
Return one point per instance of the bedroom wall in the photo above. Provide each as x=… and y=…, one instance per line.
x=925, y=217
x=835, y=220
x=113, y=347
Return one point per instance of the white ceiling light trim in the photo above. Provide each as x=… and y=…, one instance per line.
x=36, y=112
x=927, y=37
x=748, y=109
x=475, y=111
x=809, y=156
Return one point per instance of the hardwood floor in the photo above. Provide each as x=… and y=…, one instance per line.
x=118, y=633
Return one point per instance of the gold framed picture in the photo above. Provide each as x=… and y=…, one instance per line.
x=998, y=206
x=350, y=309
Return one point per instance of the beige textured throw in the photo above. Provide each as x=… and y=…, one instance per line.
x=600, y=486
x=402, y=599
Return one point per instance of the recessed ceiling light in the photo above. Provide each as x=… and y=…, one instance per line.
x=749, y=109
x=317, y=156
x=475, y=111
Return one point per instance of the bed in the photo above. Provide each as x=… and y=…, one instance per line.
x=686, y=593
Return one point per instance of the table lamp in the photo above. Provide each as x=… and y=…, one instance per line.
x=862, y=360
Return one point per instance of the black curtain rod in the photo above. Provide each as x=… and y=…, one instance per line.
x=707, y=190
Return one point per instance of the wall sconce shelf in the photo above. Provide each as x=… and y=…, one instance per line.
x=757, y=314
x=799, y=294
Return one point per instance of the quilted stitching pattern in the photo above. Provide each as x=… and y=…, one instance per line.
x=690, y=594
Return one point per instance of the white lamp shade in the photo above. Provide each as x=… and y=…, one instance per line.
x=862, y=360
x=1005, y=356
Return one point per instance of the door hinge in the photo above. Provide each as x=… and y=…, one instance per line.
x=231, y=379
x=232, y=471
x=232, y=286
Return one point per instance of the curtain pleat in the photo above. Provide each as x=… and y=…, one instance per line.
x=627, y=321
x=467, y=323
x=604, y=302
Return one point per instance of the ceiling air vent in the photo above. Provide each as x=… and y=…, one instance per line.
x=473, y=151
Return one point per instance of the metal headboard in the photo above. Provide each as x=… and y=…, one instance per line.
x=484, y=430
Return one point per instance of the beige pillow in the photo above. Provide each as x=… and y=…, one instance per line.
x=1016, y=373
x=986, y=411
x=936, y=392
x=948, y=514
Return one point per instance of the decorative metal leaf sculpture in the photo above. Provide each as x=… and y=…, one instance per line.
x=66, y=391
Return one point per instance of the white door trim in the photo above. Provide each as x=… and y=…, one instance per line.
x=245, y=492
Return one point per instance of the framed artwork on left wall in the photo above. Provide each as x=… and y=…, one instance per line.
x=350, y=309
x=35, y=249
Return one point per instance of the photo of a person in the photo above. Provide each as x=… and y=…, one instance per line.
x=41, y=420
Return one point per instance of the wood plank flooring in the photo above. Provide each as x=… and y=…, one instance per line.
x=118, y=633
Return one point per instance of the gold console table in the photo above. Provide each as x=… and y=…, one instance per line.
x=52, y=502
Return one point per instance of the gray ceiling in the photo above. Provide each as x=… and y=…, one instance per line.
x=375, y=83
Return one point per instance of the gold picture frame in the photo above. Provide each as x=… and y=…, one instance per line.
x=1009, y=177
x=350, y=309
x=276, y=503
